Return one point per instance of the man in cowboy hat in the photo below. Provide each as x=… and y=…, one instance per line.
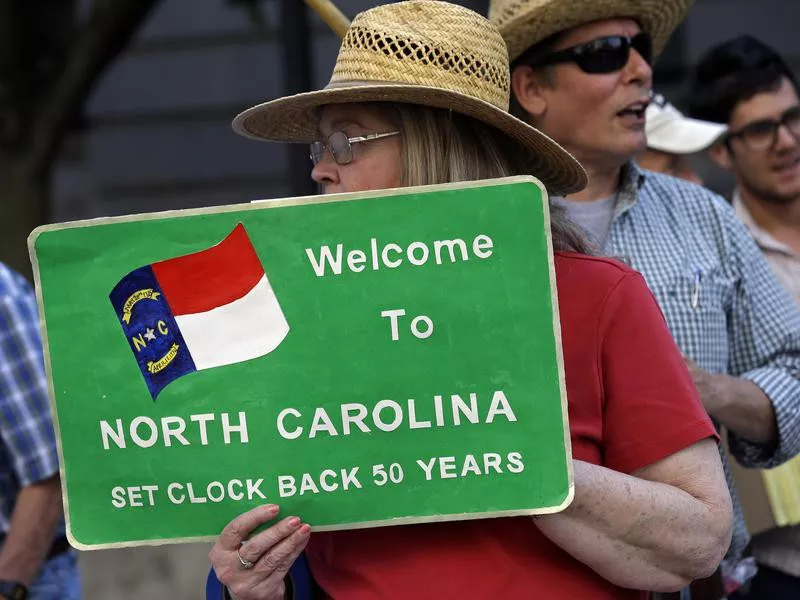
x=582, y=73
x=746, y=85
x=672, y=138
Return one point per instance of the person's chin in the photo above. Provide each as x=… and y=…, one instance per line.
x=631, y=145
x=787, y=194
x=788, y=175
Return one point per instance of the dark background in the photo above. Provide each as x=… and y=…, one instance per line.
x=156, y=133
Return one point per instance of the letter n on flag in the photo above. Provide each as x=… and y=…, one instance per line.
x=199, y=311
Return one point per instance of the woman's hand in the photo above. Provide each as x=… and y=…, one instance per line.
x=253, y=568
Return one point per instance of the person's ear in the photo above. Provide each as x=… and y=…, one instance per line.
x=528, y=87
x=721, y=155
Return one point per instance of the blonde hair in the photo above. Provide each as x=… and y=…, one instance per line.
x=442, y=146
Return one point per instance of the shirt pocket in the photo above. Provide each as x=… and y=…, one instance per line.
x=695, y=302
x=701, y=290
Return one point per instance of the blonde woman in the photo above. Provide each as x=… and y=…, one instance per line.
x=419, y=95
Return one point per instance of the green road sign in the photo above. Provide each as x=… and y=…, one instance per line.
x=361, y=360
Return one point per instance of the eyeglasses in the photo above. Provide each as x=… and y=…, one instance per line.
x=341, y=146
x=763, y=135
x=603, y=55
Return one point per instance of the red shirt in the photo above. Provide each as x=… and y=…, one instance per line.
x=631, y=403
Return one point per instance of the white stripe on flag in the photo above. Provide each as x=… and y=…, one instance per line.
x=246, y=328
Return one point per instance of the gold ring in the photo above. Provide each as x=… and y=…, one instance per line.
x=245, y=564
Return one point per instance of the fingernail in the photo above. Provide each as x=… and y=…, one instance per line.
x=305, y=530
x=272, y=508
x=294, y=522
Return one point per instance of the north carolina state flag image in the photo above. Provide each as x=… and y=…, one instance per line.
x=199, y=311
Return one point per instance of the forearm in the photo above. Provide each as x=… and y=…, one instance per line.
x=36, y=515
x=742, y=408
x=637, y=533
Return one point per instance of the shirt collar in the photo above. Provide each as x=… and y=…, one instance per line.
x=762, y=237
x=632, y=179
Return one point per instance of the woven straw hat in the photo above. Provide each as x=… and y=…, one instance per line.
x=524, y=23
x=423, y=52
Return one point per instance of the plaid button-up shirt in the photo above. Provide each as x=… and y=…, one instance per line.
x=722, y=303
x=27, y=443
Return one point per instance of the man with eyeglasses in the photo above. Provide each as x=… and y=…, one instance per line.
x=582, y=73
x=746, y=85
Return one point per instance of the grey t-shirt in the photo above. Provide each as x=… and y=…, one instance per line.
x=594, y=217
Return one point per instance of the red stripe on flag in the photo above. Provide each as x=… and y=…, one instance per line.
x=210, y=278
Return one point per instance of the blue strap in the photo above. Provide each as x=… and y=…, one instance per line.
x=213, y=586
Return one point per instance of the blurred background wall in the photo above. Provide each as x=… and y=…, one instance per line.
x=155, y=135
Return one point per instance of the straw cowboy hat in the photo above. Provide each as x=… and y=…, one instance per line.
x=423, y=52
x=524, y=23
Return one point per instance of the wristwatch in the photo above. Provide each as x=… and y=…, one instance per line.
x=13, y=590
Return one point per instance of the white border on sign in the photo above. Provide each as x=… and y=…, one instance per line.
x=300, y=201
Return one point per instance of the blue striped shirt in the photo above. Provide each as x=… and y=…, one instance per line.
x=723, y=305
x=27, y=442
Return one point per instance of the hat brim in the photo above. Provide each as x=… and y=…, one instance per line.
x=684, y=136
x=658, y=18
x=296, y=119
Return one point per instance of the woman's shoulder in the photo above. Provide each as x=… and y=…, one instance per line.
x=591, y=273
x=592, y=288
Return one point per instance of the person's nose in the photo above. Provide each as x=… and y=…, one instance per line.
x=326, y=171
x=785, y=139
x=638, y=71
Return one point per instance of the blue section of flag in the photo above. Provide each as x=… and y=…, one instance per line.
x=151, y=329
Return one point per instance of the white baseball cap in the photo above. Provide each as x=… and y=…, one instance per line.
x=669, y=131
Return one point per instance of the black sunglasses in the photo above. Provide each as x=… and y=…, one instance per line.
x=763, y=135
x=603, y=55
